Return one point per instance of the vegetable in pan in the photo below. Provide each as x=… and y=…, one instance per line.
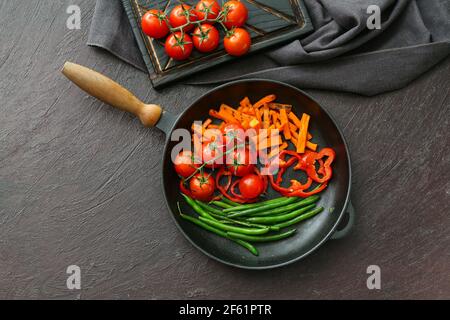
x=223, y=180
x=246, y=230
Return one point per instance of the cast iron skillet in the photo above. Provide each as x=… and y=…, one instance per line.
x=310, y=234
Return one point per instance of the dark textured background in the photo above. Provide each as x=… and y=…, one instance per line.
x=80, y=184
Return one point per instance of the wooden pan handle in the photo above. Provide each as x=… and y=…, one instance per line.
x=112, y=93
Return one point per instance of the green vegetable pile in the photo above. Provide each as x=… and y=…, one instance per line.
x=252, y=223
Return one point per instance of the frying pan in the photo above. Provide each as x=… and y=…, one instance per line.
x=310, y=234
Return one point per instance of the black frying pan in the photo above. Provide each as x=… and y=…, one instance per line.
x=310, y=234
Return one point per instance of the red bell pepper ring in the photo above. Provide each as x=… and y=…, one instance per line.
x=305, y=194
x=222, y=172
x=325, y=170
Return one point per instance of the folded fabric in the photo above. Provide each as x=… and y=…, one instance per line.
x=341, y=54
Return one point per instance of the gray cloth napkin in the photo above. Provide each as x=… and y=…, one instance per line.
x=341, y=54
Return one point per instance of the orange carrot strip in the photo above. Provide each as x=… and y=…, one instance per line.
x=265, y=100
x=303, y=133
x=295, y=120
x=285, y=123
x=266, y=118
x=311, y=146
x=258, y=114
x=274, y=116
x=245, y=102
x=222, y=115
x=276, y=150
x=268, y=143
x=206, y=123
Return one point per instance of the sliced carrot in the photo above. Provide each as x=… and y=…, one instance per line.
x=269, y=143
x=265, y=100
x=274, y=116
x=277, y=149
x=245, y=102
x=223, y=115
x=295, y=120
x=303, y=133
x=285, y=123
x=206, y=123
x=250, y=111
x=279, y=106
x=311, y=146
x=266, y=118
x=258, y=115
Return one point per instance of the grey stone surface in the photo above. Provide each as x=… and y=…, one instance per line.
x=80, y=184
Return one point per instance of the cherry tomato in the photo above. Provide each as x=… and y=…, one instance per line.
x=213, y=154
x=209, y=8
x=233, y=134
x=251, y=186
x=180, y=15
x=237, y=42
x=154, y=25
x=239, y=162
x=202, y=186
x=237, y=14
x=185, y=164
x=179, y=46
x=206, y=38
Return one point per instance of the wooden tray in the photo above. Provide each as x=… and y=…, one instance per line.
x=271, y=22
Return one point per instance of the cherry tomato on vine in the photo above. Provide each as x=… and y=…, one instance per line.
x=180, y=15
x=237, y=42
x=251, y=186
x=202, y=186
x=237, y=14
x=185, y=164
x=179, y=46
x=213, y=154
x=154, y=24
x=239, y=162
x=206, y=38
x=207, y=8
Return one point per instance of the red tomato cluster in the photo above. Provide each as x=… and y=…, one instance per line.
x=237, y=163
x=187, y=27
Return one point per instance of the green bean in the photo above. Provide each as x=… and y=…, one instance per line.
x=281, y=218
x=227, y=220
x=289, y=207
x=222, y=204
x=228, y=201
x=196, y=207
x=220, y=233
x=210, y=208
x=254, y=205
x=285, y=201
x=224, y=227
x=300, y=218
x=274, y=237
x=216, y=213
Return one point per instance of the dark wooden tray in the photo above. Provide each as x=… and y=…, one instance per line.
x=271, y=22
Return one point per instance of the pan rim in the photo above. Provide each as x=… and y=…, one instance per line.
x=323, y=240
